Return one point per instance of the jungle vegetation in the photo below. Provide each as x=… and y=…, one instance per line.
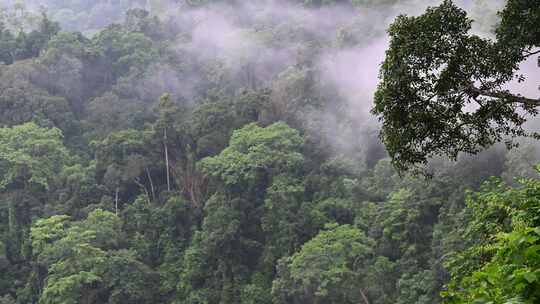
x=222, y=152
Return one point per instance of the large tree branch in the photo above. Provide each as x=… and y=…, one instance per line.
x=505, y=95
x=528, y=54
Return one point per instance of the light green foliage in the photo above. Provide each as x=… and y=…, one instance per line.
x=328, y=267
x=380, y=277
x=55, y=239
x=74, y=257
x=31, y=155
x=229, y=244
x=69, y=285
x=417, y=287
x=46, y=231
x=253, y=149
x=502, y=264
x=84, y=264
x=219, y=255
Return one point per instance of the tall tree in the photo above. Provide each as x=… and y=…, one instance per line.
x=30, y=158
x=328, y=268
x=30, y=155
x=442, y=89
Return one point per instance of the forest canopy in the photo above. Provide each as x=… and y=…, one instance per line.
x=241, y=152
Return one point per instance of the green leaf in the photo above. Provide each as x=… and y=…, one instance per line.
x=530, y=277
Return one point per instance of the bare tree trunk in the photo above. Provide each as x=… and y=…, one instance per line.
x=167, y=160
x=138, y=182
x=151, y=184
x=116, y=200
x=364, y=297
x=190, y=181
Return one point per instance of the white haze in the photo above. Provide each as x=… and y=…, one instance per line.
x=225, y=35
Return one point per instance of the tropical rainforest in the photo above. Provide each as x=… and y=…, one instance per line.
x=269, y=152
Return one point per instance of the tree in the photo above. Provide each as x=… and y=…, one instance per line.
x=123, y=160
x=77, y=189
x=442, y=89
x=167, y=112
x=328, y=268
x=282, y=220
x=7, y=45
x=229, y=245
x=85, y=263
x=67, y=65
x=124, y=50
x=501, y=263
x=252, y=150
x=30, y=155
x=30, y=158
x=23, y=100
x=31, y=44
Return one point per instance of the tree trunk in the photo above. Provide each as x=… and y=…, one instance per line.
x=167, y=160
x=364, y=297
x=136, y=180
x=151, y=184
x=116, y=200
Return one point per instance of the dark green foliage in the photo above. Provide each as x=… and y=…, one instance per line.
x=448, y=99
x=141, y=163
x=26, y=45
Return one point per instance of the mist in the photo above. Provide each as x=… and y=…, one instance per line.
x=265, y=44
x=226, y=151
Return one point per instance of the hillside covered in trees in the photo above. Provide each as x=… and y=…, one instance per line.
x=269, y=152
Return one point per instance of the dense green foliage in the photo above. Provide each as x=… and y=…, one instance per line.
x=202, y=156
x=502, y=263
x=443, y=89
